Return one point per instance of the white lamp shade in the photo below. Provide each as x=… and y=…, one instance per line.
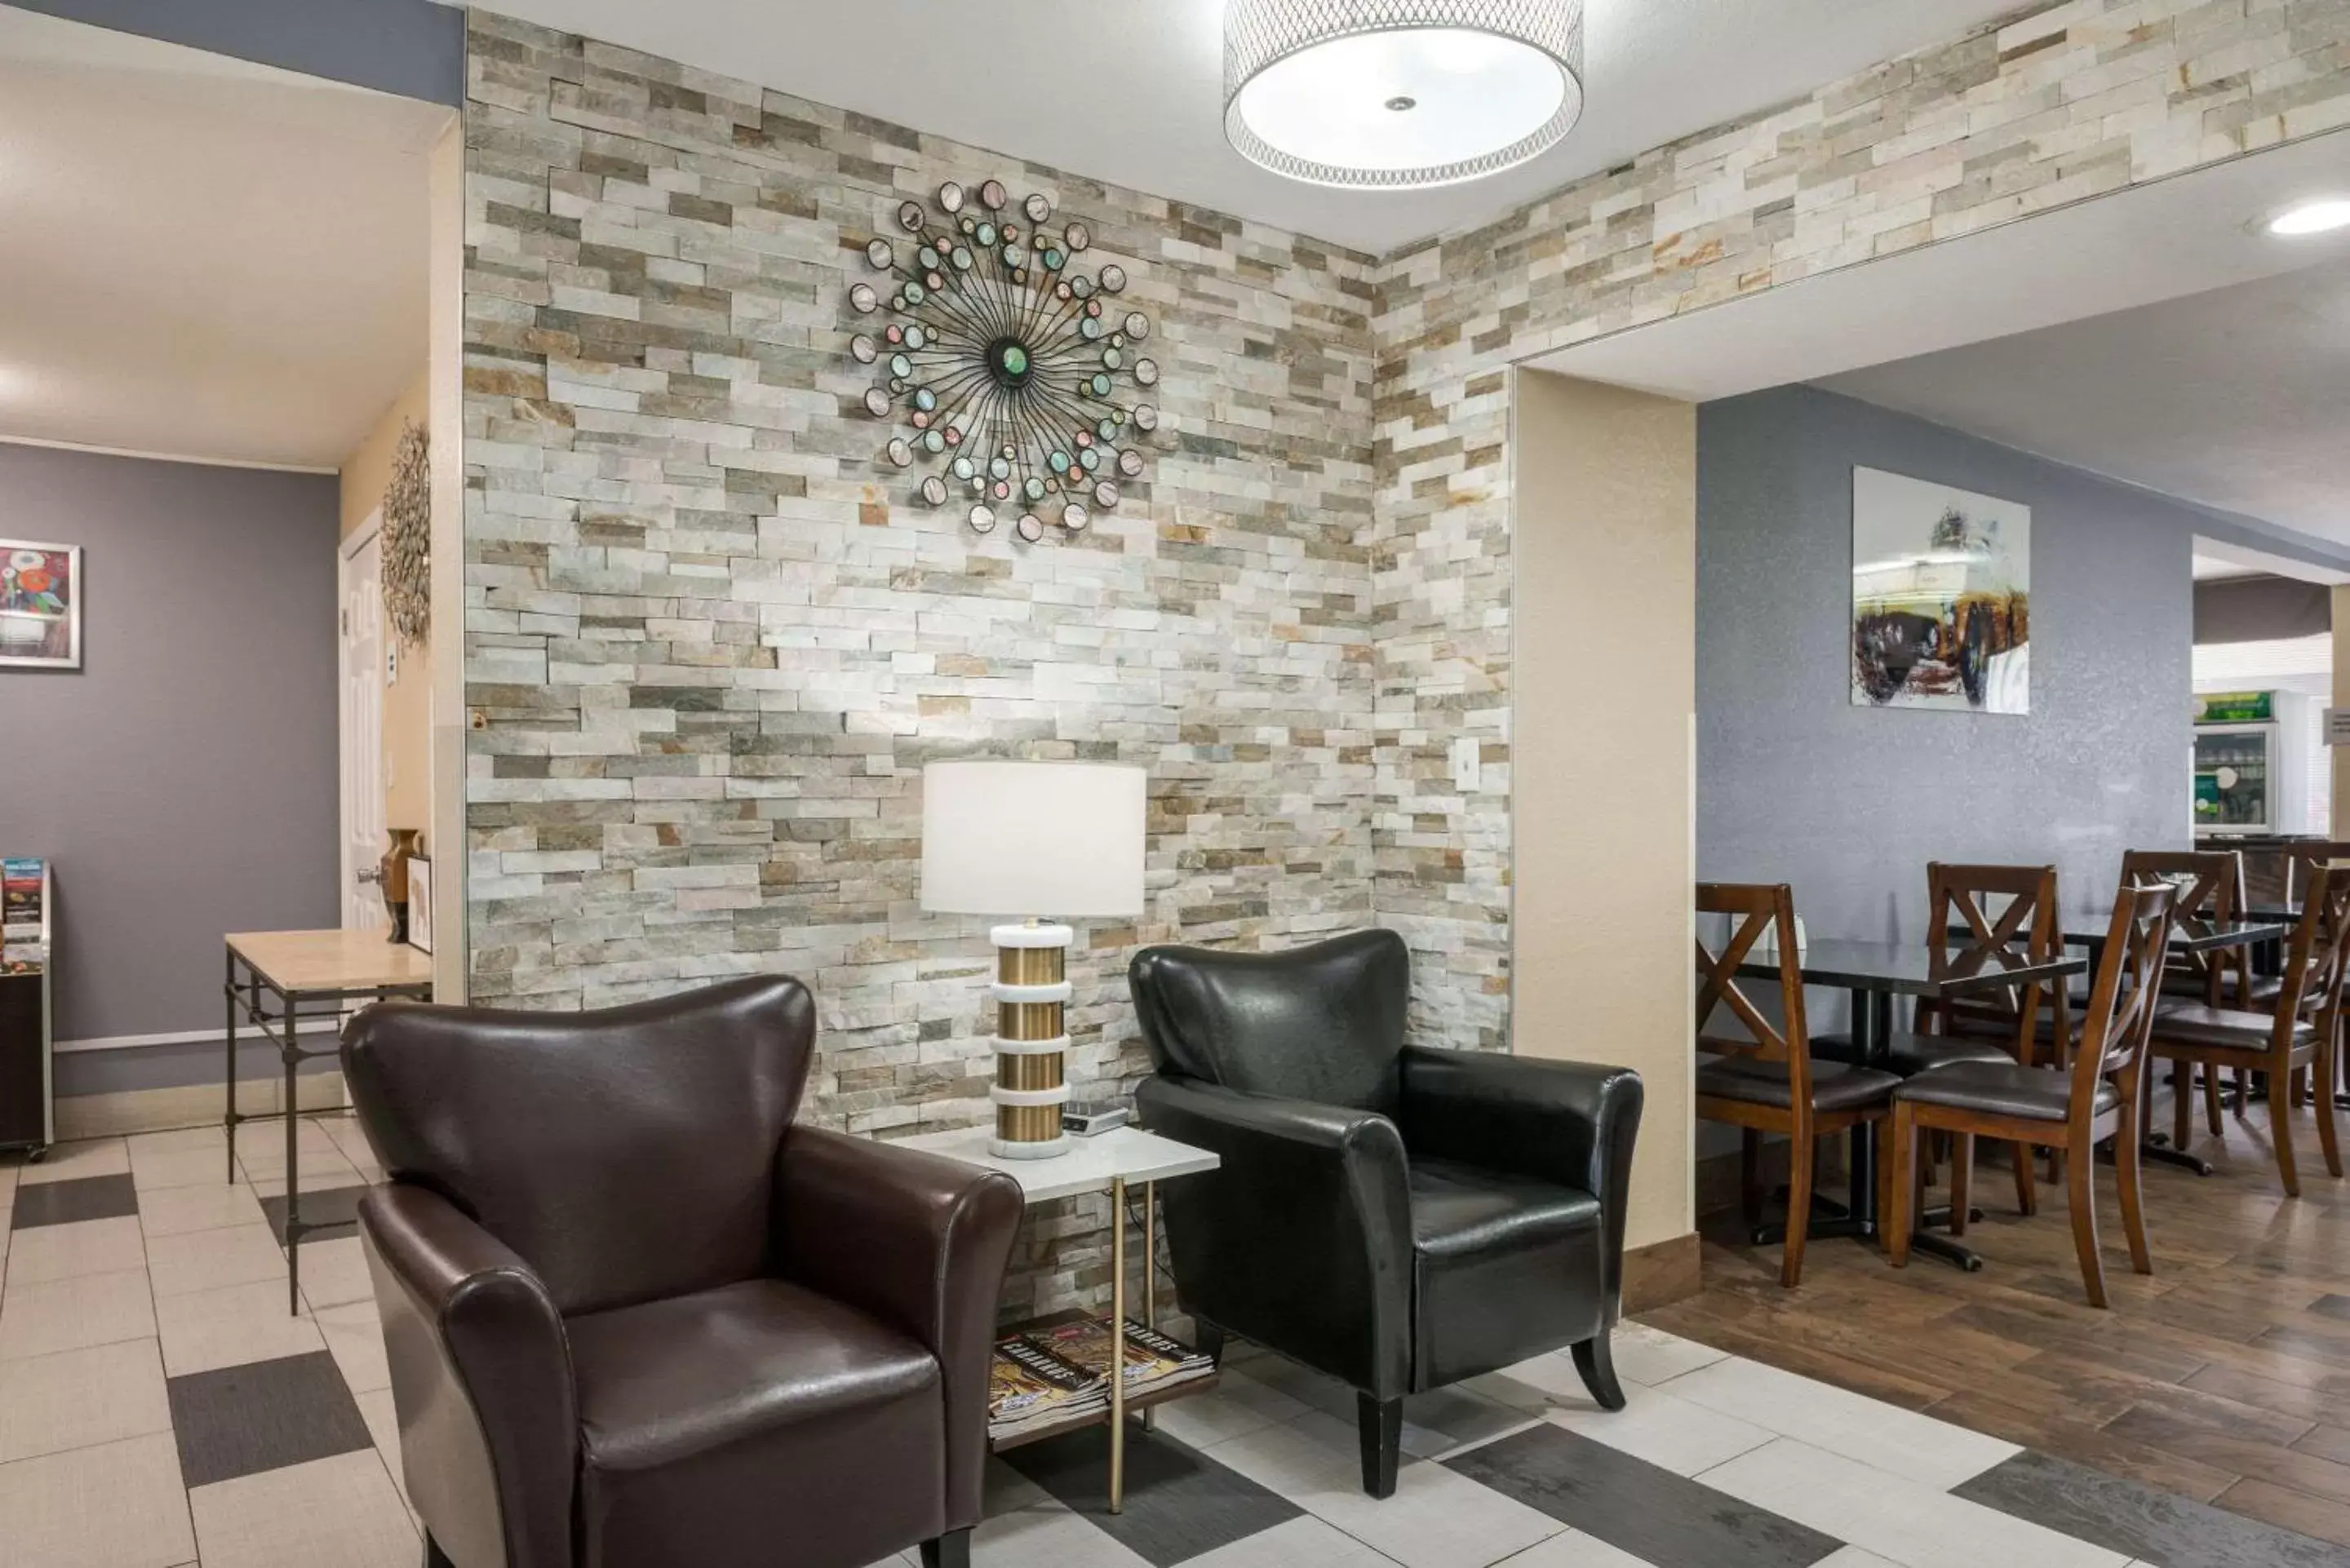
x=1059, y=839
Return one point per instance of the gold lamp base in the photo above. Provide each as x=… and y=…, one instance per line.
x=1031, y=988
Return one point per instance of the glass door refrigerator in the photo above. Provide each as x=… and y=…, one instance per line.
x=2252, y=763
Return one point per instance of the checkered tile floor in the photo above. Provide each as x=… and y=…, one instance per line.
x=159, y=1407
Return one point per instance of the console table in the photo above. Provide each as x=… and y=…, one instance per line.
x=1114, y=1160
x=281, y=979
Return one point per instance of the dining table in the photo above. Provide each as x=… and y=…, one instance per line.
x=1874, y=973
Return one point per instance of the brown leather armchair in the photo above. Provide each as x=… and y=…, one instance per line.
x=637, y=1318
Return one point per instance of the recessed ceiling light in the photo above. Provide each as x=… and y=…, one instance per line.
x=2321, y=216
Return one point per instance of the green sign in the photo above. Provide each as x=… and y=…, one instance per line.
x=2235, y=707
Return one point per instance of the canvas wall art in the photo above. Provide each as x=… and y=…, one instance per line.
x=1942, y=596
x=40, y=606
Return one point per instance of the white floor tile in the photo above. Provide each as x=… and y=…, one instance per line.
x=320, y=1173
x=1573, y=1549
x=214, y=1205
x=1854, y=1557
x=153, y=1169
x=118, y=1505
x=341, y=1512
x=1650, y=1356
x=47, y=1253
x=1047, y=1536
x=177, y=1140
x=68, y=1315
x=1905, y=1521
x=334, y=1272
x=1446, y=1419
x=354, y=1337
x=1302, y=1542
x=382, y=1420
x=1238, y=1404
x=1671, y=1434
x=72, y=1161
x=77, y=1398
x=1886, y=1437
x=1436, y=1519
x=207, y=1259
x=228, y=1327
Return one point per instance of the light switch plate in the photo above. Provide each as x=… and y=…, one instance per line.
x=1467, y=755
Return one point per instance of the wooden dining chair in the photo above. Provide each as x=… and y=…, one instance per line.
x=2210, y=886
x=2002, y=910
x=1765, y=1081
x=2074, y=1108
x=2301, y=1030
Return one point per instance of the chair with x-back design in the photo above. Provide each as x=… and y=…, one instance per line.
x=1765, y=1081
x=2209, y=889
x=2302, y=1029
x=2074, y=1108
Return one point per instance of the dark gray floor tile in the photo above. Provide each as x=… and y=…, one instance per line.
x=2155, y=1527
x=1179, y=1503
x=66, y=1202
x=1636, y=1507
x=338, y=1208
x=263, y=1416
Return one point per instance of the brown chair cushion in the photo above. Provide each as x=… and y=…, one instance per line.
x=2195, y=1024
x=1908, y=1055
x=2004, y=1089
x=1765, y=1084
x=718, y=1427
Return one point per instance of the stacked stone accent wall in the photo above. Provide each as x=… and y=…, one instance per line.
x=2060, y=105
x=714, y=639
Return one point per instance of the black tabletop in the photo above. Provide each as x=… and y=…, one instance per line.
x=1912, y=968
x=2201, y=937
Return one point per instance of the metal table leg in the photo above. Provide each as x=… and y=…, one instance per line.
x=1151, y=1277
x=228, y=1120
x=1872, y=1015
x=1118, y=1344
x=290, y=1022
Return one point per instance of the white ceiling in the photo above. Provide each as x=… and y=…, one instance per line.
x=2238, y=398
x=201, y=257
x=1131, y=92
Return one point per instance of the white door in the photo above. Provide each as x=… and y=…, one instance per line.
x=361, y=581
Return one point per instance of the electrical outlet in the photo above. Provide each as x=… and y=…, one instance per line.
x=1468, y=754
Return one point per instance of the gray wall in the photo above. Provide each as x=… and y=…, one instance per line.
x=411, y=47
x=184, y=780
x=1848, y=804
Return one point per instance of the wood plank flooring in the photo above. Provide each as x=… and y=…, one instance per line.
x=2224, y=1375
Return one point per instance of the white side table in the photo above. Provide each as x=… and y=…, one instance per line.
x=1112, y=1160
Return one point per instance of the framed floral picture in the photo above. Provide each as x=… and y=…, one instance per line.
x=40, y=606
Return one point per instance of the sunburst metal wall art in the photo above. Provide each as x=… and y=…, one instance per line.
x=1021, y=379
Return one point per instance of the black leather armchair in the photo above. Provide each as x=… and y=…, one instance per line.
x=635, y=1317
x=1397, y=1217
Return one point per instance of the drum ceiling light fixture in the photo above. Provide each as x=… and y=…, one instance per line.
x=1395, y=95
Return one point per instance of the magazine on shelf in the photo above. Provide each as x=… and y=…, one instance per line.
x=1153, y=1359
x=1029, y=1386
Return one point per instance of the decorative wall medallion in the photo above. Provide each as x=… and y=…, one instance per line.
x=1015, y=373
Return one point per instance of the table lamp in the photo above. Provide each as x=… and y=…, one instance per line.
x=1032, y=839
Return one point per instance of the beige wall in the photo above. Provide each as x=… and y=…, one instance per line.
x=1601, y=754
x=407, y=701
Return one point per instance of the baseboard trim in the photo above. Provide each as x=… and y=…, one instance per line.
x=190, y=1105
x=1660, y=1273
x=245, y=1033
